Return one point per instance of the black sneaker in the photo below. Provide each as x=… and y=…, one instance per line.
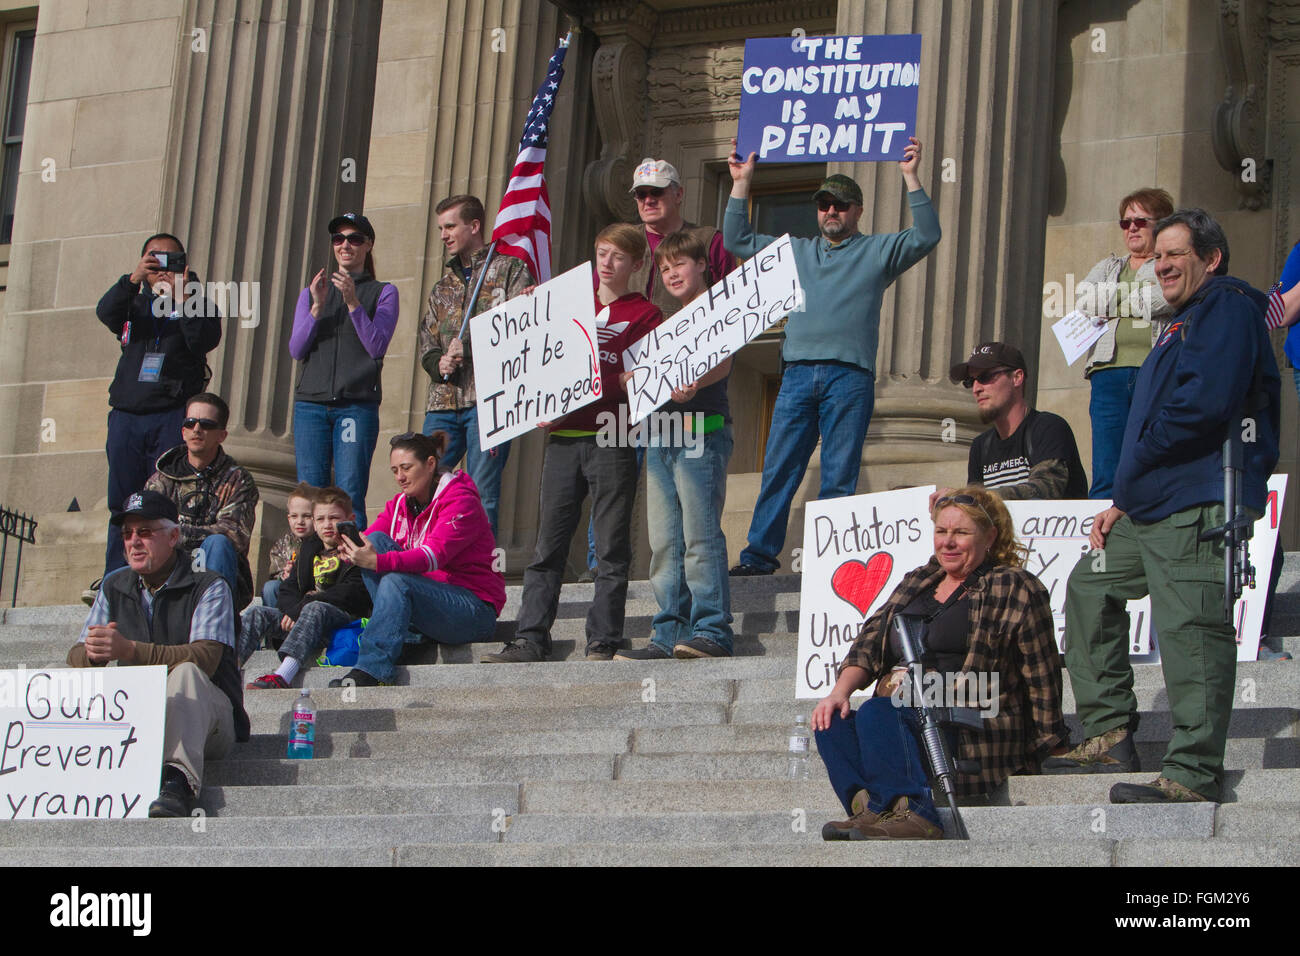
x=699, y=647
x=651, y=652
x=88, y=596
x=516, y=652
x=175, y=799
x=600, y=652
x=749, y=571
x=356, y=678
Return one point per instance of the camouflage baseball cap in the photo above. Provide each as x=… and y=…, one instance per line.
x=841, y=187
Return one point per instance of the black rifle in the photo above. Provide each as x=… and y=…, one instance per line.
x=1237, y=527
x=910, y=631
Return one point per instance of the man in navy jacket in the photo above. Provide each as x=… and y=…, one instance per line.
x=1211, y=374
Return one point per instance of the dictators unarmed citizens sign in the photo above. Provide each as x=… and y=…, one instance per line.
x=814, y=99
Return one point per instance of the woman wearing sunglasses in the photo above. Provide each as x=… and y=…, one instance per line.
x=986, y=616
x=1122, y=291
x=428, y=562
x=341, y=330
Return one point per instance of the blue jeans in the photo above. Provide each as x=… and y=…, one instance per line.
x=439, y=611
x=832, y=399
x=271, y=592
x=484, y=467
x=134, y=445
x=1112, y=395
x=876, y=751
x=220, y=555
x=688, y=561
x=343, y=436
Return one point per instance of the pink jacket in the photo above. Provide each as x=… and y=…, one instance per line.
x=449, y=541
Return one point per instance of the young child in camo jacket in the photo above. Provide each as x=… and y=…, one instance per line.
x=323, y=594
x=285, y=550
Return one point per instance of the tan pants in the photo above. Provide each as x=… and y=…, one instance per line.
x=199, y=723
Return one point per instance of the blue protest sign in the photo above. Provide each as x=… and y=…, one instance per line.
x=829, y=99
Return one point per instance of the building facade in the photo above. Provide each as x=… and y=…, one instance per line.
x=244, y=125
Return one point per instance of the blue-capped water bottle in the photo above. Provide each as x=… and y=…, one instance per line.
x=302, y=727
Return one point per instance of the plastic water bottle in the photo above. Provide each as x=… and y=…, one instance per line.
x=302, y=727
x=798, y=747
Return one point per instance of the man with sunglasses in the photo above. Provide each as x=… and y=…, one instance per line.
x=1211, y=377
x=829, y=353
x=162, y=363
x=163, y=610
x=216, y=498
x=1027, y=453
x=658, y=191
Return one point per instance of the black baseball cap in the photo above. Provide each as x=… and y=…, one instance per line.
x=986, y=356
x=146, y=504
x=357, y=221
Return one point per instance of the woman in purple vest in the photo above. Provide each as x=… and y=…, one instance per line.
x=341, y=330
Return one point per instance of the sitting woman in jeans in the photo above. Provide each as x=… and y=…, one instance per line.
x=987, y=617
x=427, y=561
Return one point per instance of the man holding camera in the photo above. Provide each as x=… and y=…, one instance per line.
x=164, y=342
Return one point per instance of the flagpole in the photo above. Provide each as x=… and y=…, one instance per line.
x=478, y=286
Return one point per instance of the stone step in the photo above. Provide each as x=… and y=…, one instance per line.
x=359, y=799
x=398, y=771
x=985, y=824
x=1092, y=851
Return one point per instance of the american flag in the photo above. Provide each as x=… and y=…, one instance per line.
x=523, y=226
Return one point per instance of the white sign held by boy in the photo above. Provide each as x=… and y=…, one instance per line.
x=536, y=357
x=713, y=327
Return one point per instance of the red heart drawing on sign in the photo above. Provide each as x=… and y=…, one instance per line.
x=859, y=583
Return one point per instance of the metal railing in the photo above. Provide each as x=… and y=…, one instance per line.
x=23, y=529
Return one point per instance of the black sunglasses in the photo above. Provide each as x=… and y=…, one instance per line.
x=985, y=378
x=837, y=205
x=647, y=191
x=1138, y=221
x=207, y=424
x=351, y=238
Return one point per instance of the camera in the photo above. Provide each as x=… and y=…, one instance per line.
x=170, y=261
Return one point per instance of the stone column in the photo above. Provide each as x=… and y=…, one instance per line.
x=271, y=131
x=984, y=119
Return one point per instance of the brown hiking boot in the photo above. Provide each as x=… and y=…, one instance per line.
x=846, y=829
x=1111, y=752
x=1159, y=790
x=900, y=823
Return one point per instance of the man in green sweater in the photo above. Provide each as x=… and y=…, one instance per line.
x=828, y=385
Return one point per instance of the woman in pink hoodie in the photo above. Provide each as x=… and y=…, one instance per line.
x=428, y=561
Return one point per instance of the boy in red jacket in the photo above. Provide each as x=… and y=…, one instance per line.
x=576, y=462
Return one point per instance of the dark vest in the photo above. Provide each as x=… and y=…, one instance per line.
x=649, y=272
x=338, y=368
x=173, y=610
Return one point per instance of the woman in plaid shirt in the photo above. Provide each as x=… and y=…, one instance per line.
x=988, y=618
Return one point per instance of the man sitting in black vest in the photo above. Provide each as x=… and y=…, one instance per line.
x=159, y=610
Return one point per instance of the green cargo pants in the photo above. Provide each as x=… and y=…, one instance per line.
x=1198, y=651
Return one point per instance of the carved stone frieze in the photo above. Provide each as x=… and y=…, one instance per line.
x=693, y=79
x=756, y=18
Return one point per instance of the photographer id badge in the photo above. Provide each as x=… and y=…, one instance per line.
x=151, y=367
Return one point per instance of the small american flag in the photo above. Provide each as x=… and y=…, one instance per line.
x=523, y=226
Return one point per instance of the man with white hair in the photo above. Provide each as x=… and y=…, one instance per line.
x=159, y=610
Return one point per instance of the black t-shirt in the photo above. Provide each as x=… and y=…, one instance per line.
x=999, y=463
x=947, y=637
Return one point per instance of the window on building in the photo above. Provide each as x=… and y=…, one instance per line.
x=19, y=44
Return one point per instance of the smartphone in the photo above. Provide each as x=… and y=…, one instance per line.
x=348, y=529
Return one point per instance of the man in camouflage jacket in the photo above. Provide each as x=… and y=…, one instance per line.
x=448, y=358
x=215, y=497
x=1012, y=638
